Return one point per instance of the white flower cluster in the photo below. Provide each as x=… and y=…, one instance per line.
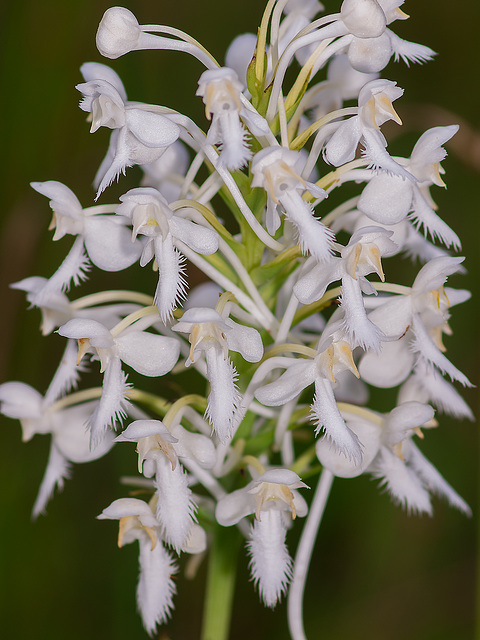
x=290, y=332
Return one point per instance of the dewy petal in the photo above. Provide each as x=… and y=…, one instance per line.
x=58, y=470
x=327, y=416
x=270, y=564
x=109, y=244
x=297, y=377
x=156, y=586
x=224, y=397
x=149, y=354
x=245, y=340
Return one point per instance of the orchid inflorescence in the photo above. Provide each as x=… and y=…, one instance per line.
x=289, y=333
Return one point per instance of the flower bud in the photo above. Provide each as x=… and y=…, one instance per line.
x=363, y=18
x=118, y=32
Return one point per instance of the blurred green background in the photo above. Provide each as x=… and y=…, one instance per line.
x=377, y=574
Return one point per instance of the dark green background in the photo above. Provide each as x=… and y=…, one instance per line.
x=377, y=574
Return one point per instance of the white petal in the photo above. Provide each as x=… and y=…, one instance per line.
x=172, y=286
x=79, y=328
x=386, y=198
x=433, y=480
x=233, y=507
x=388, y=368
x=424, y=215
x=143, y=429
x=297, y=377
x=429, y=352
x=149, y=354
x=113, y=403
x=245, y=340
x=96, y=71
x=72, y=437
x=343, y=467
x=196, y=541
x=270, y=564
x=343, y=144
x=175, y=509
x=124, y=507
x=361, y=330
x=224, y=397
x=195, y=446
x=156, y=587
x=401, y=482
x=20, y=400
x=58, y=470
x=198, y=238
x=152, y=129
x=327, y=417
x=109, y=244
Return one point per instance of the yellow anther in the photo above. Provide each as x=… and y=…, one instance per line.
x=386, y=103
x=83, y=347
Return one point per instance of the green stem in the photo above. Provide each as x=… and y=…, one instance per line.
x=222, y=569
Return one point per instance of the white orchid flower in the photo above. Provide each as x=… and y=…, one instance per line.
x=333, y=355
x=388, y=199
x=158, y=452
x=105, y=238
x=156, y=587
x=273, y=498
x=151, y=216
x=277, y=170
x=167, y=173
x=414, y=322
x=360, y=257
x=149, y=354
x=216, y=334
x=390, y=454
x=39, y=414
x=221, y=91
x=139, y=136
x=374, y=109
